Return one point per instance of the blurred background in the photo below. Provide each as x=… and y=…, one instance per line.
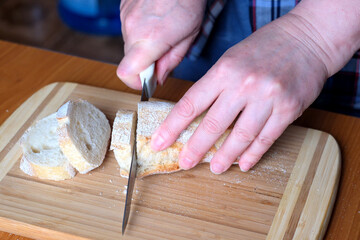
x=85, y=28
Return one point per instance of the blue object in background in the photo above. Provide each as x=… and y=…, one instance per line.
x=100, y=17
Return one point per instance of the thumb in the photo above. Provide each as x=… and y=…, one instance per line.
x=137, y=58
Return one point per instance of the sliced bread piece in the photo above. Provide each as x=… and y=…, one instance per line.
x=150, y=116
x=122, y=139
x=42, y=156
x=84, y=134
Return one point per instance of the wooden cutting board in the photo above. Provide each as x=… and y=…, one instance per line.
x=288, y=195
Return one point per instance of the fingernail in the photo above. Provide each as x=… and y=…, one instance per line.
x=186, y=163
x=217, y=168
x=157, y=142
x=244, y=167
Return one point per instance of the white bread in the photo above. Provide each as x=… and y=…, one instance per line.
x=42, y=156
x=122, y=139
x=150, y=116
x=84, y=134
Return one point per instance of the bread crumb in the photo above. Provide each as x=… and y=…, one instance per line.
x=100, y=193
x=110, y=181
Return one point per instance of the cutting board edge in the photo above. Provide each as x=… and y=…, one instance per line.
x=286, y=204
x=34, y=231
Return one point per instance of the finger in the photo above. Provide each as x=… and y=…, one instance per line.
x=137, y=58
x=196, y=100
x=221, y=114
x=171, y=59
x=248, y=126
x=272, y=130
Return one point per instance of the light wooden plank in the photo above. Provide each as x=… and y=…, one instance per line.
x=322, y=194
x=192, y=204
x=293, y=189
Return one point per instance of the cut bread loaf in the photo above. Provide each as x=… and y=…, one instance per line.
x=84, y=134
x=150, y=116
x=122, y=139
x=42, y=156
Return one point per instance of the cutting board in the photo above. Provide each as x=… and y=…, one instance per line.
x=288, y=195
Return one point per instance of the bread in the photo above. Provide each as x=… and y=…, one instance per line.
x=42, y=156
x=150, y=116
x=84, y=134
x=122, y=139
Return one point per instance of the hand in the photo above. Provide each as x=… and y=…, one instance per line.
x=157, y=30
x=270, y=78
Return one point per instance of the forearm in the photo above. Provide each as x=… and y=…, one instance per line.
x=331, y=29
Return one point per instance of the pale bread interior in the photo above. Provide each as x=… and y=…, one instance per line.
x=42, y=155
x=122, y=139
x=84, y=134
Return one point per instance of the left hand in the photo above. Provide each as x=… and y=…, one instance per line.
x=270, y=78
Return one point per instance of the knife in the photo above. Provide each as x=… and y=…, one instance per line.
x=148, y=82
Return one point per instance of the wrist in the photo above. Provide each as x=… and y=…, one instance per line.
x=330, y=28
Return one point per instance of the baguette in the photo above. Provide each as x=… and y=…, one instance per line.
x=84, y=134
x=42, y=156
x=150, y=116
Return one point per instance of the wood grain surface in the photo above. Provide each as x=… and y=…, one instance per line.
x=25, y=70
x=191, y=204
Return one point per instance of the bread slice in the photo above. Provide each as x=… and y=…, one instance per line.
x=150, y=116
x=42, y=156
x=84, y=134
x=122, y=139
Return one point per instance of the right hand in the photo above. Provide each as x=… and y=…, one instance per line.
x=157, y=30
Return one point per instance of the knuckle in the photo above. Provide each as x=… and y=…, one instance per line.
x=186, y=108
x=194, y=151
x=293, y=108
x=224, y=66
x=243, y=135
x=250, y=81
x=266, y=140
x=165, y=129
x=253, y=157
x=128, y=21
x=212, y=125
x=276, y=88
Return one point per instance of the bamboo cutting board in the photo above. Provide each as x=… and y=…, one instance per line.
x=288, y=195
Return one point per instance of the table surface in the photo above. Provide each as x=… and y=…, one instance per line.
x=24, y=70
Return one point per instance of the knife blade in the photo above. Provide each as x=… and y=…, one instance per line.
x=149, y=83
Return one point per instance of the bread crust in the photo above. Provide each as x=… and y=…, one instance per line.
x=150, y=116
x=57, y=173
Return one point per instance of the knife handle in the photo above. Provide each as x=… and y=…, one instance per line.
x=148, y=78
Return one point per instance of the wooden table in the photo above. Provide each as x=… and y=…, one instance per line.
x=24, y=70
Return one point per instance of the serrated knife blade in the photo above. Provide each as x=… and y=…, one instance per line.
x=149, y=83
